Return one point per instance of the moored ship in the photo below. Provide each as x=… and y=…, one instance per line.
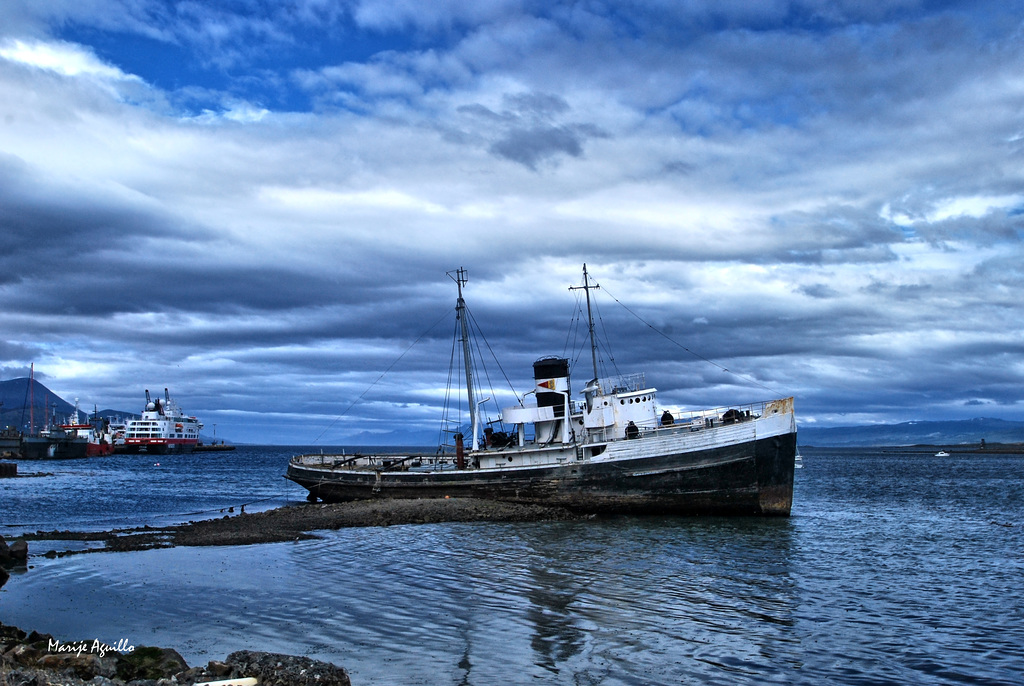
x=97, y=442
x=54, y=444
x=56, y=441
x=163, y=428
x=614, y=450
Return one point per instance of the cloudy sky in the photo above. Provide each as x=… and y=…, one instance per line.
x=255, y=202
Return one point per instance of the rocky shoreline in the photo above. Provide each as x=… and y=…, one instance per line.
x=33, y=659
x=295, y=522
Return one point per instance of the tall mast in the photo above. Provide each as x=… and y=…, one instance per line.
x=31, y=400
x=460, y=314
x=590, y=316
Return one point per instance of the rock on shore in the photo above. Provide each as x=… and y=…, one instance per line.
x=41, y=660
x=10, y=556
x=15, y=553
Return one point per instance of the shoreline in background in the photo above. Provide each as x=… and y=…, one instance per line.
x=929, y=448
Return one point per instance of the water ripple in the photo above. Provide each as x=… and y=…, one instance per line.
x=887, y=573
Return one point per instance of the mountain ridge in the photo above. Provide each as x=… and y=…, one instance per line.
x=14, y=405
x=917, y=432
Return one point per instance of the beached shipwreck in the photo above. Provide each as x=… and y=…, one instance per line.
x=609, y=449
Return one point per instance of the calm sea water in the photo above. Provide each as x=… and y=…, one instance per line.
x=892, y=569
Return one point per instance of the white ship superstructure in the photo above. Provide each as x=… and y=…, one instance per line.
x=163, y=428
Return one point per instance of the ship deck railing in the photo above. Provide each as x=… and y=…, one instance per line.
x=381, y=462
x=624, y=383
x=719, y=415
x=693, y=420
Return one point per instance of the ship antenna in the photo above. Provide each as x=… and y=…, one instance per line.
x=590, y=315
x=31, y=400
x=460, y=314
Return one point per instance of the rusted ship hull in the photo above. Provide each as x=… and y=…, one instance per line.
x=53, y=448
x=750, y=478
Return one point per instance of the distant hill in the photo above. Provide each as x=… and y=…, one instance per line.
x=15, y=397
x=393, y=439
x=968, y=431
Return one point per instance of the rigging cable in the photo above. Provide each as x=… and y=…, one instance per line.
x=377, y=380
x=607, y=340
x=446, y=414
x=480, y=335
x=573, y=332
x=697, y=355
x=581, y=342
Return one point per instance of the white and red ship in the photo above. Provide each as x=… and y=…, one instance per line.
x=97, y=442
x=163, y=428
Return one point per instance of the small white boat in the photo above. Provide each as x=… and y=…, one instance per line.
x=942, y=453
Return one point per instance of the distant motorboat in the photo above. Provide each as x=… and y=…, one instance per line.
x=942, y=453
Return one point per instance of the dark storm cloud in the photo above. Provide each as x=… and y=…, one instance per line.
x=529, y=147
x=40, y=217
x=529, y=130
x=818, y=290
